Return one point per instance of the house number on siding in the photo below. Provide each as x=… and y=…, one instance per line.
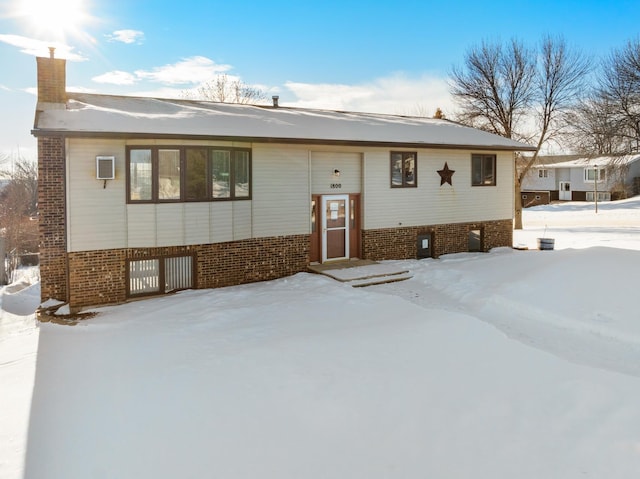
x=336, y=185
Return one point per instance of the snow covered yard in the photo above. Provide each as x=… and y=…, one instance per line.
x=509, y=364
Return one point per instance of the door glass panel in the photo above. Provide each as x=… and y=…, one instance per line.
x=335, y=214
x=334, y=223
x=313, y=216
x=352, y=214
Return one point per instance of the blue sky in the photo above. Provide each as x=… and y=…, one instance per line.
x=379, y=56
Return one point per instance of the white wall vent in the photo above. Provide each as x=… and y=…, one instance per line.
x=105, y=167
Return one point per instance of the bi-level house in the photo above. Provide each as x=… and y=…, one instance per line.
x=604, y=178
x=144, y=196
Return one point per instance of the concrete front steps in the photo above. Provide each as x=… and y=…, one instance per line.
x=361, y=273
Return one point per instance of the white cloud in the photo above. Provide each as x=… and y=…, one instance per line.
x=5, y=88
x=116, y=77
x=395, y=94
x=40, y=48
x=126, y=36
x=189, y=71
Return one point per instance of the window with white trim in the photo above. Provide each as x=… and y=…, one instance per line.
x=602, y=196
x=590, y=174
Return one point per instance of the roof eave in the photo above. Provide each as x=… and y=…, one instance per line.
x=38, y=132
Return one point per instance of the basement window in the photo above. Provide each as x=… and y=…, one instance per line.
x=475, y=241
x=160, y=275
x=602, y=196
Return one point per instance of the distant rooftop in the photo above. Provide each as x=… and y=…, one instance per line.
x=93, y=115
x=582, y=162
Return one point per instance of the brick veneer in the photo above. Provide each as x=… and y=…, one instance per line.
x=258, y=259
x=401, y=243
x=99, y=277
x=52, y=218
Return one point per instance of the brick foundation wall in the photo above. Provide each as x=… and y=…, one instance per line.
x=52, y=218
x=248, y=261
x=400, y=243
x=99, y=277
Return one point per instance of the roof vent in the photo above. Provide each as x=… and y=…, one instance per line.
x=275, y=100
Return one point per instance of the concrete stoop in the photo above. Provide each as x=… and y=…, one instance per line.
x=361, y=273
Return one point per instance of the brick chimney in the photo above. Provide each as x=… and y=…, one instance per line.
x=52, y=81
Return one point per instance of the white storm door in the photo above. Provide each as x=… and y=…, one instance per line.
x=565, y=191
x=335, y=227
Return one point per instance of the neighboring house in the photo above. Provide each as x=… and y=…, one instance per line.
x=142, y=196
x=575, y=180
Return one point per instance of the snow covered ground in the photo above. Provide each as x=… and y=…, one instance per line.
x=512, y=364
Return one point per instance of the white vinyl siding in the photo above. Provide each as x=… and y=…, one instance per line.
x=284, y=178
x=432, y=203
x=96, y=209
x=533, y=181
x=323, y=177
x=221, y=222
x=241, y=220
x=197, y=219
x=141, y=226
x=280, y=190
x=99, y=217
x=170, y=229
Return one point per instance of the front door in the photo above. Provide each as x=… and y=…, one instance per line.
x=565, y=191
x=335, y=227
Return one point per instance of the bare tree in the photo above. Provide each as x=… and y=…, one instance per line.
x=594, y=127
x=503, y=89
x=18, y=205
x=620, y=86
x=226, y=90
x=494, y=88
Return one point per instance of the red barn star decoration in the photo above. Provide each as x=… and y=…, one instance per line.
x=446, y=174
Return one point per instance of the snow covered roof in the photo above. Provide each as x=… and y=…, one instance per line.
x=122, y=116
x=591, y=162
